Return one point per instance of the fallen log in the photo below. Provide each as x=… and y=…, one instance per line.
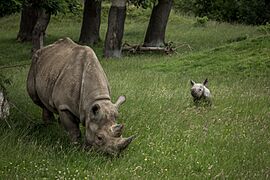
x=168, y=49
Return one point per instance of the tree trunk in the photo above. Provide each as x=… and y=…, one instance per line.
x=91, y=22
x=29, y=16
x=155, y=34
x=115, y=30
x=39, y=29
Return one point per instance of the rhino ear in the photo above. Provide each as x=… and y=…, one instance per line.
x=120, y=101
x=192, y=82
x=205, y=83
x=95, y=109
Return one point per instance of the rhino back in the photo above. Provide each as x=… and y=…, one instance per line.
x=68, y=75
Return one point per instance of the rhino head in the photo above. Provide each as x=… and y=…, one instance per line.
x=197, y=89
x=102, y=131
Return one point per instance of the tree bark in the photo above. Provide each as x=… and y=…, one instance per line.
x=29, y=16
x=155, y=34
x=39, y=29
x=91, y=22
x=115, y=30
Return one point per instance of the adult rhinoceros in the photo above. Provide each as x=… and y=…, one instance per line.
x=67, y=79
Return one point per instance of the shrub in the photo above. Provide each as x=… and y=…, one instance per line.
x=201, y=21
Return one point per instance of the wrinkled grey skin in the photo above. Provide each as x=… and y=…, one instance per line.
x=67, y=79
x=200, y=93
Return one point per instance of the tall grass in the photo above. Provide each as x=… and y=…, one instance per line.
x=175, y=139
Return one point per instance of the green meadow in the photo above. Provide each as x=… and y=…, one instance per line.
x=175, y=139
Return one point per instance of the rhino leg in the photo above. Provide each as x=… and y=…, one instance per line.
x=71, y=125
x=47, y=116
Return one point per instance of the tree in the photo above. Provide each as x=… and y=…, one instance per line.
x=35, y=18
x=29, y=16
x=91, y=22
x=39, y=29
x=115, y=30
x=155, y=34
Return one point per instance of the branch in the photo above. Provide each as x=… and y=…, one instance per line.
x=168, y=49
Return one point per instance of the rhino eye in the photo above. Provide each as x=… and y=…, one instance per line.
x=100, y=138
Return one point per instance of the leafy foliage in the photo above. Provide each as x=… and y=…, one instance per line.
x=53, y=6
x=143, y=3
x=201, y=21
x=9, y=7
x=243, y=11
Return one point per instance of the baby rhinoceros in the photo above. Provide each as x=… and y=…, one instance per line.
x=67, y=79
x=200, y=93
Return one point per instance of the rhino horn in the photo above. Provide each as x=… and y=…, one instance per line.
x=117, y=130
x=120, y=101
x=125, y=142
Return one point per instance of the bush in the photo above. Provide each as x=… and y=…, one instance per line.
x=201, y=21
x=242, y=11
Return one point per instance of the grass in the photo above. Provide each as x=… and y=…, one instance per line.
x=175, y=140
